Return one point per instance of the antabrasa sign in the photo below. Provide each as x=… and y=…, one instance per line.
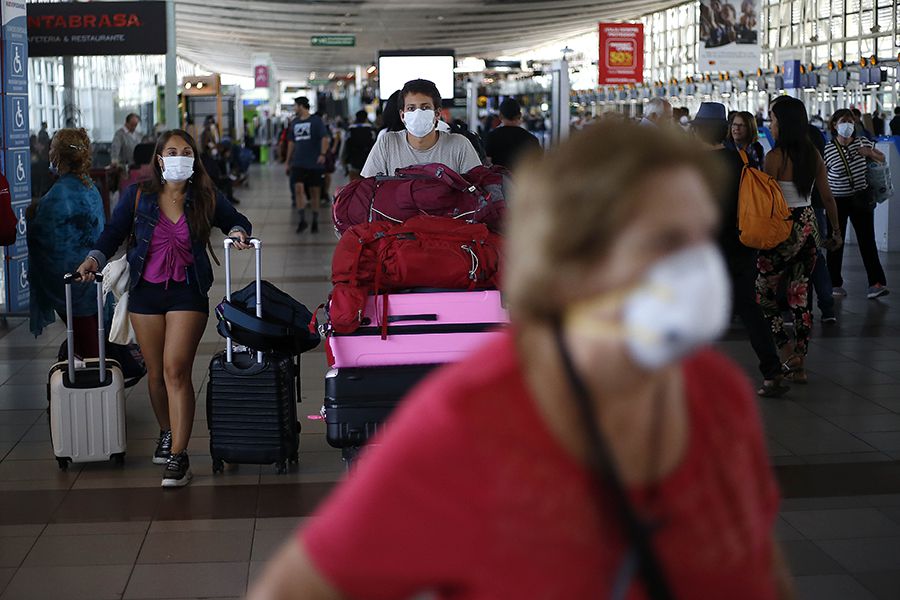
x=96, y=28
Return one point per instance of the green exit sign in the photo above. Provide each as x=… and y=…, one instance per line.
x=346, y=41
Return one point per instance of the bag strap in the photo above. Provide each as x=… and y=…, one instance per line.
x=846, y=162
x=137, y=199
x=605, y=471
x=744, y=157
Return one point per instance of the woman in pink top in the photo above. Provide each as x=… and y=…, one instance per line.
x=167, y=222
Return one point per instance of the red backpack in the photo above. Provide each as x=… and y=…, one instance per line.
x=431, y=189
x=425, y=251
x=8, y=219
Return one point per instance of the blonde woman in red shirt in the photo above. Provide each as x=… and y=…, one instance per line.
x=599, y=449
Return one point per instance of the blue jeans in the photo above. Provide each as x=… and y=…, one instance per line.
x=821, y=279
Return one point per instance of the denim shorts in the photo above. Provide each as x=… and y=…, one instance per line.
x=159, y=298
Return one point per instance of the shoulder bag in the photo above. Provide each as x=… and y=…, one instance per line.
x=116, y=279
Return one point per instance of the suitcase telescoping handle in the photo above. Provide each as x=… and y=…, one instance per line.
x=69, y=279
x=257, y=245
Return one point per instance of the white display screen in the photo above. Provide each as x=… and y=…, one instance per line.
x=395, y=71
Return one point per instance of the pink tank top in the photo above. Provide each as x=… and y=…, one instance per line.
x=169, y=252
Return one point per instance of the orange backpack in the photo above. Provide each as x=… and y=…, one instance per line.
x=764, y=218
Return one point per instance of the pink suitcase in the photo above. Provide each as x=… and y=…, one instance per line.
x=422, y=328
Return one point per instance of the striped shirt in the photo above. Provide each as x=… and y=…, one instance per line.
x=842, y=183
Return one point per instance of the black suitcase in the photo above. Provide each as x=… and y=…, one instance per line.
x=251, y=401
x=251, y=410
x=359, y=400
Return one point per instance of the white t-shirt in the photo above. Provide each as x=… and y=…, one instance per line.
x=392, y=151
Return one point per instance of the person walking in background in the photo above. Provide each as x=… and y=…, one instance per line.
x=508, y=143
x=62, y=227
x=743, y=135
x=124, y=141
x=797, y=167
x=846, y=158
x=710, y=128
x=878, y=123
x=895, y=122
x=657, y=113
x=360, y=140
x=308, y=145
x=169, y=221
x=600, y=401
x=390, y=115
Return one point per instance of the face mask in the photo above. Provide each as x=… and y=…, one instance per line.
x=54, y=169
x=178, y=168
x=419, y=122
x=681, y=304
x=845, y=129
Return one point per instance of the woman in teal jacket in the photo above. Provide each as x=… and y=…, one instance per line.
x=62, y=228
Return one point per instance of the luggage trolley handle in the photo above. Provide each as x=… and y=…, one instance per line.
x=68, y=280
x=257, y=245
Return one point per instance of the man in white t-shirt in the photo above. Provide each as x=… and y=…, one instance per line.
x=421, y=142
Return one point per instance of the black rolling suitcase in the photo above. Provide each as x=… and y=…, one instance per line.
x=251, y=401
x=359, y=400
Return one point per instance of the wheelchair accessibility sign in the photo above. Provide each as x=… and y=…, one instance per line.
x=18, y=173
x=15, y=47
x=16, y=110
x=19, y=286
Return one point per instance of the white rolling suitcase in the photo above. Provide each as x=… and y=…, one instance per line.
x=87, y=405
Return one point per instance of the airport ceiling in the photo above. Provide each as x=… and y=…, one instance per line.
x=221, y=35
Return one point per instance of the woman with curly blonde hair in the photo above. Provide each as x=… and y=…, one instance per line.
x=62, y=227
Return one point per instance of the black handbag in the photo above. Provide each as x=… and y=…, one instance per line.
x=286, y=325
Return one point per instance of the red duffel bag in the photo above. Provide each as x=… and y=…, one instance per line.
x=425, y=251
x=431, y=189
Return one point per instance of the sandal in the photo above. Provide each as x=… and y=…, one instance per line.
x=794, y=370
x=773, y=388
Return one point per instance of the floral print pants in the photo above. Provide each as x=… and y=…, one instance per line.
x=790, y=264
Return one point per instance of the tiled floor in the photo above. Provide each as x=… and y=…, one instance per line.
x=99, y=531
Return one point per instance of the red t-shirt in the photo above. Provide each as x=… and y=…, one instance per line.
x=469, y=497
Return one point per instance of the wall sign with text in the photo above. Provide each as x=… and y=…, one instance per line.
x=97, y=28
x=621, y=53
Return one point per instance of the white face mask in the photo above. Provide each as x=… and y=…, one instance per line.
x=419, y=122
x=681, y=304
x=845, y=129
x=177, y=168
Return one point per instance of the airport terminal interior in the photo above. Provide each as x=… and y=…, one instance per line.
x=279, y=106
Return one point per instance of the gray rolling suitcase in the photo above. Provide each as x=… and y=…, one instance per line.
x=87, y=405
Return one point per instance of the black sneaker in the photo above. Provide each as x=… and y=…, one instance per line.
x=301, y=227
x=178, y=471
x=314, y=228
x=163, y=447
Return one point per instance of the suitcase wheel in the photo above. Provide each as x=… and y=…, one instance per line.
x=218, y=465
x=119, y=459
x=282, y=468
x=294, y=459
x=63, y=463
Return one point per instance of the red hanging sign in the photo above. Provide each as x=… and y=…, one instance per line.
x=621, y=53
x=261, y=76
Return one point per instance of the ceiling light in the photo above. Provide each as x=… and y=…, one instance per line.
x=440, y=18
x=188, y=85
x=200, y=86
x=371, y=69
x=331, y=75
